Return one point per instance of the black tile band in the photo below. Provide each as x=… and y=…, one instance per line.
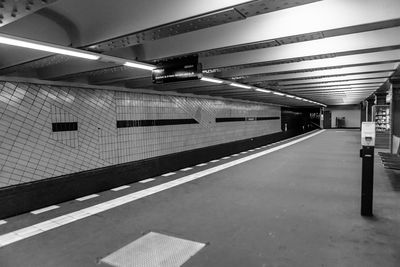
x=145, y=123
x=64, y=126
x=267, y=118
x=246, y=119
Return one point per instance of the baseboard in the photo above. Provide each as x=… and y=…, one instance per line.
x=35, y=195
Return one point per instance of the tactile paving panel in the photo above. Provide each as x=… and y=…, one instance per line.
x=154, y=249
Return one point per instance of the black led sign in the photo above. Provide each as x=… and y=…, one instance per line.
x=177, y=70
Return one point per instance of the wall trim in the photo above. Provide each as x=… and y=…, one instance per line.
x=125, y=89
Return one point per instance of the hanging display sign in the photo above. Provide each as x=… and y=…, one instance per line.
x=177, y=70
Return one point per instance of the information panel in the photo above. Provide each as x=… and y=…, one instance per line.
x=177, y=70
x=368, y=134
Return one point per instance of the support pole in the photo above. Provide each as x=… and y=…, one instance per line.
x=367, y=180
x=367, y=174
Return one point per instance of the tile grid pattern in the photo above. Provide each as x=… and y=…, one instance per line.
x=30, y=151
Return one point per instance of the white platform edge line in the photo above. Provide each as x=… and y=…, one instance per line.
x=147, y=180
x=168, y=174
x=87, y=197
x=201, y=164
x=53, y=207
x=3, y=222
x=120, y=188
x=35, y=229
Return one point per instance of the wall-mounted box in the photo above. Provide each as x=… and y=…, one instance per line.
x=368, y=133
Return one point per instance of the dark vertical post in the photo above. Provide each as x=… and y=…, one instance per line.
x=321, y=118
x=363, y=112
x=367, y=180
x=395, y=120
x=370, y=103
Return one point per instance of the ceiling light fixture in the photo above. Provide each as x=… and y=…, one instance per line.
x=263, y=90
x=139, y=65
x=277, y=93
x=35, y=45
x=240, y=85
x=211, y=80
x=57, y=49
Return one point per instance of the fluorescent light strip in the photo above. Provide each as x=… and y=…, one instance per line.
x=47, y=48
x=211, y=80
x=139, y=65
x=240, y=85
x=263, y=90
x=286, y=95
x=277, y=93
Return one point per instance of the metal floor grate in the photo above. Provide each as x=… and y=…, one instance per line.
x=154, y=249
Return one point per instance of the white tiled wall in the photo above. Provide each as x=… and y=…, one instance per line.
x=30, y=151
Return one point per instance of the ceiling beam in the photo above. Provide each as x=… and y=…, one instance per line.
x=318, y=64
x=289, y=22
x=327, y=46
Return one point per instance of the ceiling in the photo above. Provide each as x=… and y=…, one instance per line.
x=334, y=52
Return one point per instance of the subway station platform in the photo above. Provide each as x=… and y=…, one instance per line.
x=199, y=133
x=292, y=203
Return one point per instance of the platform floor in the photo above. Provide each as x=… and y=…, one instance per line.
x=297, y=206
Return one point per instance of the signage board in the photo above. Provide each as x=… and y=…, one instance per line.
x=177, y=70
x=368, y=133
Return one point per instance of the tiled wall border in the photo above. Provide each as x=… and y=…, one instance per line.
x=124, y=89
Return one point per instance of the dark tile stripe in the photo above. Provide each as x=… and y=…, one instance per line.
x=64, y=126
x=231, y=119
x=146, y=123
x=267, y=118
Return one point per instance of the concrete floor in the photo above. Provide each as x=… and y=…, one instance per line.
x=298, y=206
